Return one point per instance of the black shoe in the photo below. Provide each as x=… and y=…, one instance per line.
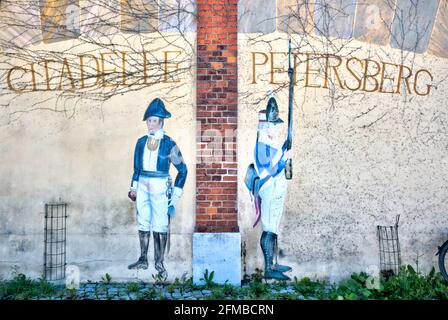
x=142, y=263
x=277, y=275
x=276, y=266
x=267, y=242
x=160, y=241
x=281, y=268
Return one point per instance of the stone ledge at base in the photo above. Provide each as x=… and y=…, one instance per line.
x=218, y=252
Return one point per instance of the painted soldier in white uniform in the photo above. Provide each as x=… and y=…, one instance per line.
x=270, y=162
x=151, y=187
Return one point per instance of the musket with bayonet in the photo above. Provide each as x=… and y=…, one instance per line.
x=288, y=168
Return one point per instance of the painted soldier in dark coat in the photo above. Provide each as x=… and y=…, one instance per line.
x=151, y=187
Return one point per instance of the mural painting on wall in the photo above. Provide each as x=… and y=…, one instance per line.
x=267, y=177
x=270, y=163
x=152, y=188
x=127, y=66
x=106, y=49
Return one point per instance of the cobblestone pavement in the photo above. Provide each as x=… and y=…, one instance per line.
x=148, y=291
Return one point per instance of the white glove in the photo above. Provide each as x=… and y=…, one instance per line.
x=175, y=197
x=287, y=155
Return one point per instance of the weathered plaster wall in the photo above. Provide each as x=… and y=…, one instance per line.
x=359, y=159
x=85, y=157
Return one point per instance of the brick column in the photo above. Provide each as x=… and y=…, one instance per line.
x=216, y=115
x=217, y=241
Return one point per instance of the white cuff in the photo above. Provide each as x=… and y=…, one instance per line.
x=177, y=192
x=134, y=185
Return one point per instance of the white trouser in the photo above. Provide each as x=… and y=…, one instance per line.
x=272, y=195
x=152, y=204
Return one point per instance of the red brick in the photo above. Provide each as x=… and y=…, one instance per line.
x=203, y=217
x=212, y=210
x=217, y=109
x=203, y=203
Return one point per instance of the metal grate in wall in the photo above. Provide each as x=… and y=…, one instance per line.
x=390, y=255
x=55, y=241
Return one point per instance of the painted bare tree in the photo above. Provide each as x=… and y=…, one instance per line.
x=323, y=31
x=91, y=51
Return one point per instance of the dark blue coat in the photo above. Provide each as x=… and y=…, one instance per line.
x=169, y=153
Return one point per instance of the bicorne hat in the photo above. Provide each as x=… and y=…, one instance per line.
x=156, y=109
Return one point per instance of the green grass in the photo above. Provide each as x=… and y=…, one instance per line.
x=23, y=288
x=408, y=284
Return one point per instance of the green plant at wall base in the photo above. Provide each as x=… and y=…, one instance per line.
x=217, y=294
x=61, y=294
x=20, y=288
x=258, y=289
x=45, y=288
x=194, y=286
x=229, y=290
x=278, y=285
x=132, y=287
x=184, y=283
x=105, y=282
x=208, y=279
x=139, y=296
x=410, y=284
x=158, y=279
x=407, y=284
x=107, y=279
x=257, y=276
x=287, y=296
x=171, y=287
x=354, y=288
x=149, y=294
x=72, y=294
x=307, y=287
x=161, y=296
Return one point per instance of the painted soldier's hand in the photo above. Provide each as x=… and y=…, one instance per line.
x=132, y=194
x=175, y=197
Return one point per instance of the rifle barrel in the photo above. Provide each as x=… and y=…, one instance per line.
x=291, y=96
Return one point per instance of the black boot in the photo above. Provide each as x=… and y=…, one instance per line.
x=142, y=262
x=267, y=243
x=160, y=240
x=276, y=266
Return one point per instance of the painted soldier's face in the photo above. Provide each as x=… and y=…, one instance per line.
x=154, y=124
